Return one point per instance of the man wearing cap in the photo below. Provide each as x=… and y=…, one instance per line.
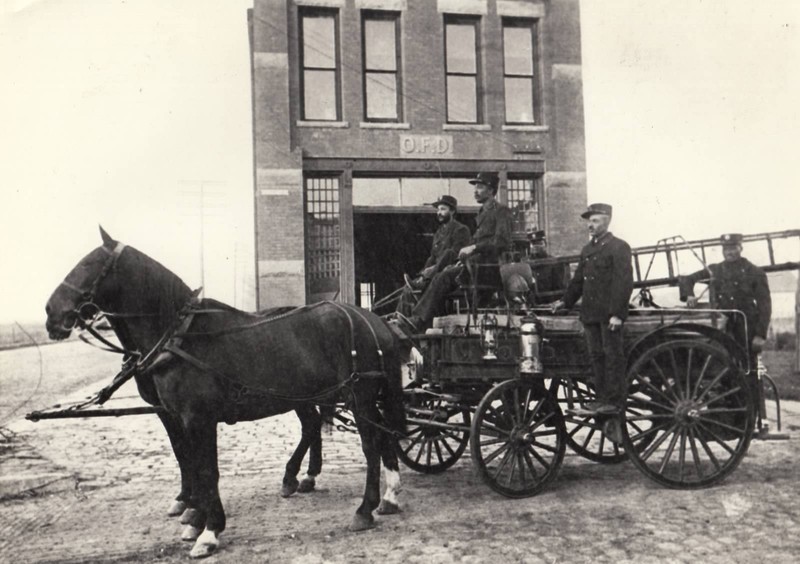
x=735, y=283
x=491, y=238
x=448, y=240
x=604, y=278
x=549, y=277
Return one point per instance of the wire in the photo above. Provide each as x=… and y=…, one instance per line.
x=41, y=375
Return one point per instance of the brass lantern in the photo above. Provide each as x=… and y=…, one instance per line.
x=531, y=345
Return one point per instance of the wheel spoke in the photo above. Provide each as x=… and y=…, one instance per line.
x=652, y=387
x=695, y=454
x=657, y=443
x=668, y=454
x=651, y=416
x=490, y=442
x=676, y=373
x=650, y=431
x=602, y=442
x=538, y=457
x=527, y=405
x=664, y=378
x=413, y=444
x=689, y=372
x=648, y=401
x=710, y=454
x=438, y=451
x=420, y=451
x=588, y=438
x=430, y=452
x=716, y=438
x=726, y=410
x=487, y=459
x=500, y=432
x=682, y=450
x=716, y=379
x=721, y=396
x=720, y=424
x=529, y=464
x=450, y=450
x=702, y=374
x=543, y=446
x=503, y=463
x=534, y=413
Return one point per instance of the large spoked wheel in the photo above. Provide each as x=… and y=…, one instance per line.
x=584, y=433
x=438, y=434
x=518, y=439
x=690, y=415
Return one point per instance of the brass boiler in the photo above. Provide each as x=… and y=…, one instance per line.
x=530, y=335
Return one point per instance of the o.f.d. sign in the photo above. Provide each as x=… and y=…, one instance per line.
x=426, y=146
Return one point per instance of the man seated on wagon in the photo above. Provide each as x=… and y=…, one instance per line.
x=448, y=240
x=491, y=239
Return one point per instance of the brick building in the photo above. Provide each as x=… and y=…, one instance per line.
x=366, y=110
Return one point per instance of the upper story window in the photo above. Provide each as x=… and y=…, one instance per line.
x=320, y=80
x=519, y=76
x=462, y=69
x=381, y=56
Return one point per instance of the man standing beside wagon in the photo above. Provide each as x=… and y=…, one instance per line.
x=604, y=279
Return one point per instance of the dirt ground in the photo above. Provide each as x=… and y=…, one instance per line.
x=113, y=479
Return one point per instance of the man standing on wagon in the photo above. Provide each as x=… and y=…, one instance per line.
x=604, y=278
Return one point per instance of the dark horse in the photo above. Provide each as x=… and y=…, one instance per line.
x=207, y=363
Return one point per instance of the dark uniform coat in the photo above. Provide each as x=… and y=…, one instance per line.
x=604, y=278
x=492, y=238
x=736, y=285
x=450, y=238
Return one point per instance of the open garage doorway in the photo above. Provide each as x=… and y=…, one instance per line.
x=393, y=228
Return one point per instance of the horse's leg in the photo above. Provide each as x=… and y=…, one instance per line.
x=177, y=439
x=210, y=516
x=391, y=474
x=308, y=483
x=306, y=414
x=370, y=444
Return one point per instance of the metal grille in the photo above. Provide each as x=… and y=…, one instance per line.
x=323, y=242
x=524, y=204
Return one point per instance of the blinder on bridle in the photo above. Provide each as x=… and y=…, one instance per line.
x=87, y=311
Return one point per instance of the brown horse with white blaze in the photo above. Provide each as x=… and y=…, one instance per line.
x=205, y=362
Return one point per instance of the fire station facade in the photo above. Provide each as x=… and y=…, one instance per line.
x=365, y=111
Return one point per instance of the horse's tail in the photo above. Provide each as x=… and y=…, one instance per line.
x=393, y=405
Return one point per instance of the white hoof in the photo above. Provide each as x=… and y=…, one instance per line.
x=176, y=508
x=190, y=533
x=187, y=515
x=206, y=544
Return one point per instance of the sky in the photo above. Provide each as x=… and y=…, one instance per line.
x=132, y=113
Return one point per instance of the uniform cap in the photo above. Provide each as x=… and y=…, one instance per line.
x=489, y=179
x=593, y=209
x=447, y=200
x=731, y=239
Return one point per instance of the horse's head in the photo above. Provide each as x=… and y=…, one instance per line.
x=79, y=297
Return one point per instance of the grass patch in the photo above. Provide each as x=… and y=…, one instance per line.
x=780, y=367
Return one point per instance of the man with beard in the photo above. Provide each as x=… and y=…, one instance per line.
x=448, y=240
x=604, y=279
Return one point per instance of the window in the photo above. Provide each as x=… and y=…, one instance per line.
x=519, y=79
x=319, y=53
x=462, y=69
x=323, y=237
x=381, y=56
x=524, y=204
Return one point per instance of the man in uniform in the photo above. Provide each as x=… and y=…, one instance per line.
x=604, y=278
x=548, y=277
x=448, y=240
x=735, y=283
x=490, y=240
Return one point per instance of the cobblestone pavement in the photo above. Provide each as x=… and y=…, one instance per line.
x=116, y=477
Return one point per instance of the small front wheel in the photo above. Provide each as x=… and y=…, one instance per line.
x=518, y=438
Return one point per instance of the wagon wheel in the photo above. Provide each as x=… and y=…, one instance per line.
x=518, y=438
x=693, y=405
x=431, y=449
x=584, y=434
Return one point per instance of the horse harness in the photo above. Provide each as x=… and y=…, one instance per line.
x=170, y=344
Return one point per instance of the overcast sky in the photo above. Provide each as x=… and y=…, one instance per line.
x=123, y=112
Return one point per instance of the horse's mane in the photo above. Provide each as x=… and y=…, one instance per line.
x=160, y=288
